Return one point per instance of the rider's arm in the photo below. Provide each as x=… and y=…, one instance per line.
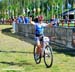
x=47, y=25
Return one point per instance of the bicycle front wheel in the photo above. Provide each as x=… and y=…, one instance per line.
x=48, y=56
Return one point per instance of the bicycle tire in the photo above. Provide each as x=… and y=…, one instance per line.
x=51, y=57
x=39, y=59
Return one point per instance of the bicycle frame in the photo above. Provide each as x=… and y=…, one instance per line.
x=45, y=42
x=46, y=52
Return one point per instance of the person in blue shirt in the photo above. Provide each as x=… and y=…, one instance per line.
x=19, y=19
x=54, y=21
x=39, y=31
x=26, y=19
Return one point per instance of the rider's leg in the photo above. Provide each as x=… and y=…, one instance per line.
x=38, y=46
x=43, y=48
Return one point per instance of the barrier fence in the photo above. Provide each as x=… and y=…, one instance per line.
x=68, y=23
x=62, y=36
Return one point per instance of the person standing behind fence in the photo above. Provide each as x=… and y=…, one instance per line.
x=66, y=19
x=26, y=20
x=14, y=25
x=54, y=21
x=36, y=19
x=19, y=19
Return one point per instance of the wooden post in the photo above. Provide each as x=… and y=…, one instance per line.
x=74, y=23
x=62, y=23
x=68, y=23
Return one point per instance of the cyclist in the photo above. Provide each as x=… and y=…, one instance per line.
x=39, y=32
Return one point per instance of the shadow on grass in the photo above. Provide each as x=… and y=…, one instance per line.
x=16, y=52
x=66, y=51
x=17, y=63
x=8, y=31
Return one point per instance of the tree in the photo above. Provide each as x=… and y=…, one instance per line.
x=16, y=7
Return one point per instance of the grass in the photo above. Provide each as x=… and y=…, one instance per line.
x=16, y=55
x=66, y=25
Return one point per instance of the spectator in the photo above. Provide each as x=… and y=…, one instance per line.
x=26, y=20
x=55, y=21
x=36, y=19
x=19, y=19
x=2, y=20
x=14, y=25
x=66, y=19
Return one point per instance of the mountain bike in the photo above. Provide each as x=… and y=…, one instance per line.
x=47, y=53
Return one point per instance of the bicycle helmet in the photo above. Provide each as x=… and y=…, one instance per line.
x=40, y=18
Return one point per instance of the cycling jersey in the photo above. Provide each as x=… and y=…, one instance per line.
x=39, y=29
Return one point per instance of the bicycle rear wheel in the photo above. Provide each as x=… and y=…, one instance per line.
x=37, y=60
x=48, y=56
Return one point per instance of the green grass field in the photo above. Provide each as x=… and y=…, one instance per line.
x=16, y=55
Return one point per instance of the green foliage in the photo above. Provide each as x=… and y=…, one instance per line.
x=0, y=6
x=1, y=16
x=18, y=5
